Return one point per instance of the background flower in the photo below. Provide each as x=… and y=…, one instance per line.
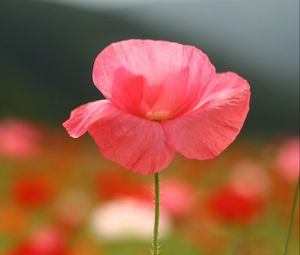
x=287, y=160
x=32, y=190
x=19, y=139
x=127, y=219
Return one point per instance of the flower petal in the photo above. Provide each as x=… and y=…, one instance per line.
x=163, y=78
x=209, y=129
x=137, y=144
x=83, y=116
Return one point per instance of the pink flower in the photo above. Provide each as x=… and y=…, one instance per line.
x=287, y=160
x=250, y=178
x=162, y=98
x=19, y=139
x=177, y=198
x=48, y=241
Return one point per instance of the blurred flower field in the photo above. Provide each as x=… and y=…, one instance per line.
x=60, y=197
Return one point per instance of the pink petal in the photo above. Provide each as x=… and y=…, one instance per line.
x=137, y=144
x=209, y=129
x=153, y=79
x=82, y=117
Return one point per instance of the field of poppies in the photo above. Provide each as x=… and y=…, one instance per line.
x=60, y=197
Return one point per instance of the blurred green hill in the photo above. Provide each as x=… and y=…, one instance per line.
x=47, y=52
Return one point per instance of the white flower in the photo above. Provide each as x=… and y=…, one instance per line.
x=125, y=219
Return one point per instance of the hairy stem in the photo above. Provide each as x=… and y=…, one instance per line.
x=155, y=245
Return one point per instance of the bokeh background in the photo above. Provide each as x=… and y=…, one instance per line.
x=58, y=196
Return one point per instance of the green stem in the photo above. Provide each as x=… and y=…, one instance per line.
x=292, y=217
x=155, y=245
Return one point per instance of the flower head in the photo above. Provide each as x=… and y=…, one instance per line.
x=162, y=98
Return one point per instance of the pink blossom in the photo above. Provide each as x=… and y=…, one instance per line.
x=287, y=160
x=162, y=98
x=48, y=241
x=177, y=198
x=250, y=178
x=19, y=139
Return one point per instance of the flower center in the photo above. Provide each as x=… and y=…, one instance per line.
x=157, y=115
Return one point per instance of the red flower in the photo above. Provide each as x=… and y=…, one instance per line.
x=32, y=190
x=231, y=206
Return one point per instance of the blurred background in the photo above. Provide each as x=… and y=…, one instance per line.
x=58, y=196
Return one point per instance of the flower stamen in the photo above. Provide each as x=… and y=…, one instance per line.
x=157, y=115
